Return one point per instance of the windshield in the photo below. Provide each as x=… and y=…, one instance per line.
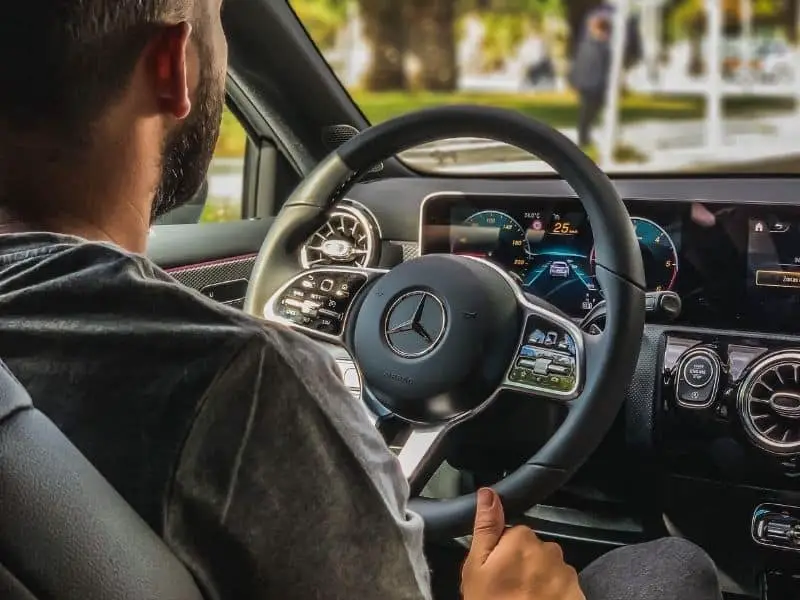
x=643, y=86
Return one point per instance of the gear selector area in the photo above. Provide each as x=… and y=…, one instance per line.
x=777, y=526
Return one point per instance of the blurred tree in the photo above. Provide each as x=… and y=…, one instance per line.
x=432, y=42
x=687, y=11
x=323, y=19
x=688, y=21
x=507, y=22
x=385, y=29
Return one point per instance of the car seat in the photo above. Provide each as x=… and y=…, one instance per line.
x=65, y=533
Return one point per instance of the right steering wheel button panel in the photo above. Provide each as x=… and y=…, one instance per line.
x=546, y=360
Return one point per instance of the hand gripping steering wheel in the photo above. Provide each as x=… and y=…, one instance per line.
x=438, y=337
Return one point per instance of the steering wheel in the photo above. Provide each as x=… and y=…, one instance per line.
x=438, y=337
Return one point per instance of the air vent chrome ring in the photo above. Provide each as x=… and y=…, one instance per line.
x=769, y=403
x=347, y=238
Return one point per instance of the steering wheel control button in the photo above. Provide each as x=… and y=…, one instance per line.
x=547, y=360
x=698, y=378
x=317, y=300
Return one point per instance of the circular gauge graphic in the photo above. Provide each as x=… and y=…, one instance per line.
x=659, y=255
x=495, y=236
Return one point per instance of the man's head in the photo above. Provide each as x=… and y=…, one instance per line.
x=103, y=96
x=600, y=26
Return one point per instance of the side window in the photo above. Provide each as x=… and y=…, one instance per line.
x=226, y=174
x=221, y=199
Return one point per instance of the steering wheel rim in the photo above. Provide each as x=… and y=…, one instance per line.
x=619, y=271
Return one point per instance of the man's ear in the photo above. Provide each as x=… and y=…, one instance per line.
x=169, y=58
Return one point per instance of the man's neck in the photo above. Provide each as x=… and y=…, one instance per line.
x=127, y=231
x=100, y=195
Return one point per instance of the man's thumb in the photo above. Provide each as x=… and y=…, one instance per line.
x=489, y=525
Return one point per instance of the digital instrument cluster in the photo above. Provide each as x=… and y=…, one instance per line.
x=547, y=247
x=734, y=265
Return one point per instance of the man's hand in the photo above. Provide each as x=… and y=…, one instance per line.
x=513, y=564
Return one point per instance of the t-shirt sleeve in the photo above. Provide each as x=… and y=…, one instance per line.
x=284, y=489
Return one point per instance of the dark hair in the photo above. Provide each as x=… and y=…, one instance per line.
x=63, y=61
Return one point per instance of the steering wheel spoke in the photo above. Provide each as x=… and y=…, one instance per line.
x=319, y=302
x=421, y=453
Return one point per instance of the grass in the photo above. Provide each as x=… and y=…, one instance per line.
x=556, y=109
x=561, y=109
x=623, y=153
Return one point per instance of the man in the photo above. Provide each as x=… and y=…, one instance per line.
x=590, y=74
x=234, y=440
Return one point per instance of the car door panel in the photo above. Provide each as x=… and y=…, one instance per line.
x=215, y=258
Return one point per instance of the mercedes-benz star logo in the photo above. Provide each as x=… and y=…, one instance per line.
x=415, y=324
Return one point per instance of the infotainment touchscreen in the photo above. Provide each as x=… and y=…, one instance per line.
x=773, y=256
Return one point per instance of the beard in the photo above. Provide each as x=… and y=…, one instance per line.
x=188, y=151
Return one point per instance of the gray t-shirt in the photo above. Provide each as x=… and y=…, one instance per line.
x=234, y=439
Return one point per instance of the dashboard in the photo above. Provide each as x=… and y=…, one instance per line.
x=733, y=265
x=710, y=429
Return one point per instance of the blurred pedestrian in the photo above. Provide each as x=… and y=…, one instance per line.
x=590, y=74
x=535, y=60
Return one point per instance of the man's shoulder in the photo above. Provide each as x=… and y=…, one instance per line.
x=104, y=288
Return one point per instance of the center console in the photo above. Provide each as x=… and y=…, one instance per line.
x=728, y=431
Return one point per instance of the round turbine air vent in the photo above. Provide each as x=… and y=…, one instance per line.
x=769, y=403
x=347, y=238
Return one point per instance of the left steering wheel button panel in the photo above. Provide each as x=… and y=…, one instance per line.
x=317, y=300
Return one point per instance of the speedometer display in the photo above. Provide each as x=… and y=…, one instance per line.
x=495, y=236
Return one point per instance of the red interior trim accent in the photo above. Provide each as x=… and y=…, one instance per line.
x=210, y=263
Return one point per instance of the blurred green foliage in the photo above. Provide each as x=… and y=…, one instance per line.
x=322, y=19
x=506, y=21
x=220, y=212
x=504, y=32
x=689, y=15
x=232, y=137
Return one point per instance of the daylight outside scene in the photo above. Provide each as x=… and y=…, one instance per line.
x=643, y=86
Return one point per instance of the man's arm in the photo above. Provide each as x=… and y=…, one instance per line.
x=285, y=489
